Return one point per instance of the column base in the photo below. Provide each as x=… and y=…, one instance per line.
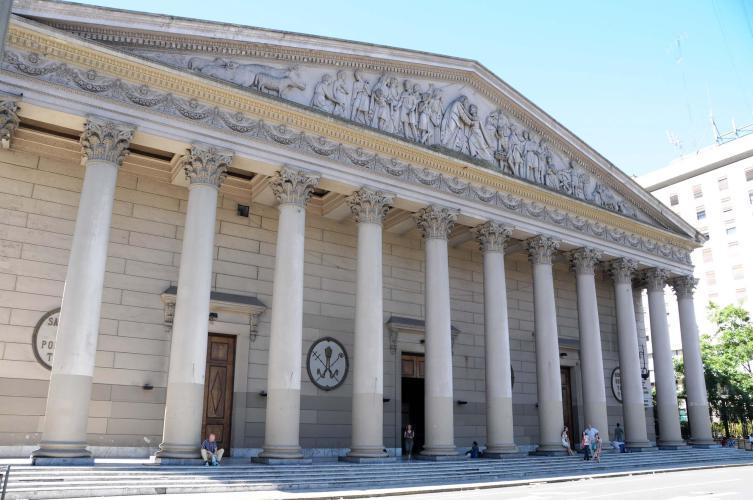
x=178, y=451
x=62, y=450
x=671, y=445
x=59, y=461
x=704, y=443
x=549, y=450
x=640, y=446
x=281, y=461
x=440, y=458
x=499, y=451
x=368, y=452
x=281, y=453
x=178, y=461
x=367, y=460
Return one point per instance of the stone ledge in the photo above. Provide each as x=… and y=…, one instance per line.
x=55, y=461
x=368, y=460
x=281, y=461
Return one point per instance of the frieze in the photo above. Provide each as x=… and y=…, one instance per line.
x=90, y=81
x=424, y=112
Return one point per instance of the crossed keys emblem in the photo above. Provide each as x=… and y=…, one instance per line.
x=327, y=364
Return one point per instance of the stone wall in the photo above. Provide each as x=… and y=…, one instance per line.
x=38, y=200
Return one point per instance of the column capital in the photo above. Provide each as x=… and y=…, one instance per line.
x=106, y=140
x=436, y=222
x=541, y=248
x=622, y=270
x=370, y=205
x=684, y=286
x=206, y=164
x=655, y=279
x=492, y=236
x=293, y=186
x=8, y=119
x=584, y=259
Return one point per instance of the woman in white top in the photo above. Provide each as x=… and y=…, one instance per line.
x=566, y=442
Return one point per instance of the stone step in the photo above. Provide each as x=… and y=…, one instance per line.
x=68, y=482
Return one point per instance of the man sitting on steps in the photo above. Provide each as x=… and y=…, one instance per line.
x=209, y=451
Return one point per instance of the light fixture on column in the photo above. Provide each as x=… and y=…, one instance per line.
x=242, y=210
x=213, y=316
x=462, y=403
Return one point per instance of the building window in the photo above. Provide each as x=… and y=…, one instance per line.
x=749, y=174
x=707, y=255
x=711, y=278
x=727, y=209
x=700, y=213
x=750, y=197
x=697, y=191
x=734, y=249
x=740, y=294
x=737, y=272
x=723, y=184
x=674, y=200
x=731, y=231
x=713, y=297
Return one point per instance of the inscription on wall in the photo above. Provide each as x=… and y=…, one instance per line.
x=43, y=339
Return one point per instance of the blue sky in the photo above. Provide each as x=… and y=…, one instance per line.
x=622, y=75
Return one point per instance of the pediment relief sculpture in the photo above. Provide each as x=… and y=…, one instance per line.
x=448, y=117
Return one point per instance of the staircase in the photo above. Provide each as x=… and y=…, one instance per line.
x=120, y=480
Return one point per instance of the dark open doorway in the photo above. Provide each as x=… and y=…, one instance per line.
x=567, y=405
x=412, y=400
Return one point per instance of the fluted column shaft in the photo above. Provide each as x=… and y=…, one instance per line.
x=105, y=144
x=634, y=413
x=500, y=438
x=436, y=223
x=368, y=208
x=664, y=371
x=205, y=168
x=292, y=189
x=591, y=359
x=695, y=384
x=548, y=380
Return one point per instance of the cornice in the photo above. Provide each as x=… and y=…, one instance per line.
x=445, y=68
x=204, y=93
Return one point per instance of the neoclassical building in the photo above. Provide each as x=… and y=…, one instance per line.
x=303, y=244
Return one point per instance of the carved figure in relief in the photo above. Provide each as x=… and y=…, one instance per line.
x=456, y=120
x=380, y=109
x=408, y=114
x=393, y=101
x=339, y=94
x=531, y=158
x=498, y=127
x=515, y=152
x=436, y=112
x=359, y=107
x=478, y=143
x=279, y=83
x=424, y=121
x=551, y=176
x=322, y=98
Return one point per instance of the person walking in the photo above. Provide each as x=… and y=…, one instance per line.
x=408, y=436
x=597, y=448
x=619, y=438
x=566, y=442
x=585, y=446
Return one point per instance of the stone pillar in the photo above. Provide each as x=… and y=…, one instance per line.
x=500, y=439
x=695, y=384
x=205, y=168
x=369, y=208
x=548, y=380
x=591, y=360
x=292, y=188
x=669, y=436
x=435, y=223
x=105, y=144
x=633, y=410
x=8, y=118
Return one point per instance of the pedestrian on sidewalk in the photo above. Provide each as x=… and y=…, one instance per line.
x=592, y=432
x=566, y=442
x=585, y=446
x=619, y=439
x=597, y=448
x=408, y=436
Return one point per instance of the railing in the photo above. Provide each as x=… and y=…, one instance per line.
x=5, y=475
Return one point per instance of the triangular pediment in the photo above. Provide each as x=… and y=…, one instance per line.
x=453, y=106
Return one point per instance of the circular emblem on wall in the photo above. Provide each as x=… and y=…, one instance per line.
x=43, y=339
x=327, y=363
x=617, y=384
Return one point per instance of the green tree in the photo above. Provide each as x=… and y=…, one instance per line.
x=728, y=365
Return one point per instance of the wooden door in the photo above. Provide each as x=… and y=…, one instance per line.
x=567, y=405
x=218, y=389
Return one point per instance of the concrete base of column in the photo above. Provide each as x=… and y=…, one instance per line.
x=548, y=451
x=368, y=460
x=62, y=450
x=281, y=461
x=671, y=445
x=367, y=452
x=640, y=447
x=441, y=458
x=184, y=408
x=500, y=450
x=178, y=461
x=178, y=451
x=64, y=462
x=281, y=453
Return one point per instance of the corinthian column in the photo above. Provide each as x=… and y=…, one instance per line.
x=292, y=188
x=435, y=223
x=8, y=119
x=591, y=360
x=670, y=436
x=548, y=380
x=500, y=438
x=695, y=384
x=105, y=144
x=205, y=168
x=633, y=410
x=369, y=208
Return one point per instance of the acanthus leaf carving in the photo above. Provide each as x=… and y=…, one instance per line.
x=293, y=186
x=205, y=164
x=584, y=259
x=436, y=222
x=622, y=270
x=655, y=279
x=8, y=119
x=684, y=286
x=492, y=236
x=369, y=205
x=106, y=140
x=541, y=248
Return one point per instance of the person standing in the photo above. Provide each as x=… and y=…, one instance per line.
x=597, y=448
x=408, y=436
x=619, y=438
x=585, y=445
x=592, y=432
